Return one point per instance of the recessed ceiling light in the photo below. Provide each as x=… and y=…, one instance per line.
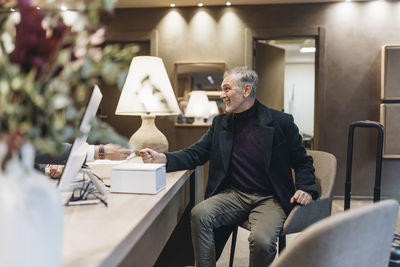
x=37, y=8
x=200, y=4
x=228, y=3
x=307, y=50
x=12, y=9
x=63, y=8
x=172, y=5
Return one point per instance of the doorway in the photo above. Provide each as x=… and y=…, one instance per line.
x=287, y=75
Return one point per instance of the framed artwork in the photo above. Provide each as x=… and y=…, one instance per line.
x=390, y=119
x=390, y=70
x=198, y=76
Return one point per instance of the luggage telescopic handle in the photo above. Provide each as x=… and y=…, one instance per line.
x=377, y=187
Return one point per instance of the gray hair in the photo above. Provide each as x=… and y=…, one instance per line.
x=244, y=75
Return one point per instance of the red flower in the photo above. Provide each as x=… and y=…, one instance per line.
x=32, y=48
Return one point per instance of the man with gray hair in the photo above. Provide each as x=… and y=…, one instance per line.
x=252, y=150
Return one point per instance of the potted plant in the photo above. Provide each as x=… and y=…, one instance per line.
x=50, y=59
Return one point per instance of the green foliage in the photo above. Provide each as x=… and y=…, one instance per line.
x=48, y=68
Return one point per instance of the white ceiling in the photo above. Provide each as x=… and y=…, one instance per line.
x=178, y=3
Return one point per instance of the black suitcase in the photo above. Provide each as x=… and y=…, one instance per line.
x=395, y=252
x=349, y=163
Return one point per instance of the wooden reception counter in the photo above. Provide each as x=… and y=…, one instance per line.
x=133, y=229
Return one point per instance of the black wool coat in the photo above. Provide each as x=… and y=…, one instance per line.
x=280, y=140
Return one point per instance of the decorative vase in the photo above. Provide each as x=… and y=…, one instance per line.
x=31, y=224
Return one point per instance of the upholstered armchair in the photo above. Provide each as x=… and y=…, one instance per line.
x=356, y=238
x=303, y=216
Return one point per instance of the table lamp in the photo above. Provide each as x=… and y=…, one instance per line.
x=213, y=108
x=198, y=106
x=148, y=93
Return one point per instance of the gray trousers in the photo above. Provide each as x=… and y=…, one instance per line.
x=231, y=207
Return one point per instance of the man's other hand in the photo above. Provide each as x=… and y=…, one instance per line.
x=54, y=171
x=150, y=156
x=301, y=197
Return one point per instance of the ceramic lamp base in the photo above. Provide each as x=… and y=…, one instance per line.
x=148, y=136
x=198, y=120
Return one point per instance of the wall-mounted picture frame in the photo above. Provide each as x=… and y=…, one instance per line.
x=390, y=118
x=390, y=70
x=190, y=77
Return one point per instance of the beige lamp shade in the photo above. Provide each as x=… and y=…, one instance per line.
x=147, y=92
x=213, y=108
x=147, y=89
x=198, y=105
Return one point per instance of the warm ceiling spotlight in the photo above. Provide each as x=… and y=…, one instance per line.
x=228, y=3
x=172, y=5
x=63, y=8
x=200, y=4
x=37, y=8
x=12, y=9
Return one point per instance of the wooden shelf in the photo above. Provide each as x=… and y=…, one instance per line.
x=181, y=125
x=213, y=93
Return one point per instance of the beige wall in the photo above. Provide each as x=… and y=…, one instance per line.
x=354, y=34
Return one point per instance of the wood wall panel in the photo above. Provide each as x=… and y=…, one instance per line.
x=390, y=119
x=349, y=82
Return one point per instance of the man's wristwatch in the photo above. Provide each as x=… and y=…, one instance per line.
x=101, y=152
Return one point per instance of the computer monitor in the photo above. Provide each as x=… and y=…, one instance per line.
x=78, y=152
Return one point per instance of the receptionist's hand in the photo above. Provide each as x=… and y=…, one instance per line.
x=150, y=156
x=54, y=171
x=116, y=152
x=113, y=152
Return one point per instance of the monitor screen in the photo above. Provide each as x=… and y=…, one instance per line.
x=78, y=152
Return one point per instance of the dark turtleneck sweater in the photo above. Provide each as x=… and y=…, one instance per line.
x=247, y=170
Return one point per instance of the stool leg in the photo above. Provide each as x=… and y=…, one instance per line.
x=234, y=236
x=282, y=243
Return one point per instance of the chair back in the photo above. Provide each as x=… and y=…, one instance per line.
x=358, y=237
x=325, y=171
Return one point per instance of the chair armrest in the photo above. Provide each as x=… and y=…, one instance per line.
x=303, y=216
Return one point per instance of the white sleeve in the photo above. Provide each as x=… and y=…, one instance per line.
x=90, y=154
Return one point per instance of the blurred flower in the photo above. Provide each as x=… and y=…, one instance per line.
x=32, y=47
x=97, y=38
x=96, y=53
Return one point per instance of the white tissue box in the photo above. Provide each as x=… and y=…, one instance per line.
x=138, y=178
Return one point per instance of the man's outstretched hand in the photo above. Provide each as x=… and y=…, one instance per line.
x=150, y=156
x=301, y=197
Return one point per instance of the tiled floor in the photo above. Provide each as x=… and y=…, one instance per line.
x=242, y=250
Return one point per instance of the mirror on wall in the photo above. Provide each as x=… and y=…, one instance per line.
x=194, y=80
